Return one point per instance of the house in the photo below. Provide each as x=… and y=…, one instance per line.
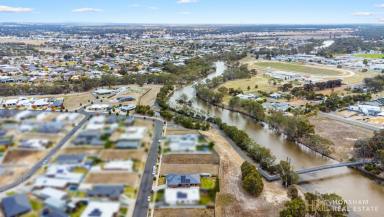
x=276, y=106
x=132, y=138
x=125, y=98
x=112, y=192
x=103, y=92
x=101, y=209
x=372, y=110
x=247, y=96
x=6, y=141
x=49, y=192
x=70, y=159
x=89, y=137
x=34, y=143
x=16, y=205
x=179, y=143
x=99, y=107
x=56, y=203
x=127, y=108
x=275, y=95
x=181, y=180
x=50, y=127
x=182, y=196
x=119, y=165
x=52, y=212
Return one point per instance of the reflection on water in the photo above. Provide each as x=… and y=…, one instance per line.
x=350, y=184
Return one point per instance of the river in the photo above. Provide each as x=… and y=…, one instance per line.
x=348, y=183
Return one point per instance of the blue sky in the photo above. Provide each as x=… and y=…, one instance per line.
x=194, y=11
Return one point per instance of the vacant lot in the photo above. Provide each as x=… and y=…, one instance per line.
x=108, y=155
x=21, y=157
x=341, y=134
x=9, y=175
x=149, y=97
x=300, y=68
x=180, y=131
x=189, y=168
x=112, y=178
x=73, y=101
x=184, y=213
x=232, y=199
x=256, y=83
x=82, y=150
x=191, y=158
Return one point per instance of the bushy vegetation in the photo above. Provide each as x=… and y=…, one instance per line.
x=259, y=153
x=252, y=107
x=144, y=110
x=372, y=148
x=319, y=205
x=251, y=179
x=334, y=102
x=298, y=129
x=191, y=123
x=375, y=84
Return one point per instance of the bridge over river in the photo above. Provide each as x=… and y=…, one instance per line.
x=272, y=178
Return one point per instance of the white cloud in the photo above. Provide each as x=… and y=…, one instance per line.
x=7, y=9
x=184, y=12
x=381, y=20
x=86, y=10
x=380, y=5
x=186, y=1
x=362, y=14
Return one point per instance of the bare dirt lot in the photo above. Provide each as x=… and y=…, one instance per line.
x=125, y=178
x=149, y=97
x=21, y=157
x=189, y=168
x=180, y=131
x=11, y=174
x=184, y=213
x=108, y=155
x=82, y=150
x=191, y=159
x=341, y=134
x=232, y=199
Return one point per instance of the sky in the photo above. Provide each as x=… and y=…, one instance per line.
x=194, y=11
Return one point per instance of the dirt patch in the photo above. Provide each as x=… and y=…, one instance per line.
x=180, y=131
x=189, y=168
x=184, y=213
x=125, y=178
x=82, y=150
x=232, y=199
x=108, y=155
x=73, y=101
x=10, y=175
x=149, y=97
x=341, y=134
x=191, y=159
x=26, y=157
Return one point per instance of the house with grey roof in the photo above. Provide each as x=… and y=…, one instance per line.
x=16, y=205
x=182, y=180
x=70, y=159
x=112, y=192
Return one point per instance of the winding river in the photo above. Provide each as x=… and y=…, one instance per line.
x=359, y=191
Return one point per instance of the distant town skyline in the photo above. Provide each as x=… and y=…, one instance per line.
x=194, y=11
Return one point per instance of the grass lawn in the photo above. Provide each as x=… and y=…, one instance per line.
x=370, y=56
x=130, y=192
x=78, y=211
x=159, y=196
x=208, y=183
x=81, y=170
x=299, y=68
x=36, y=204
x=263, y=82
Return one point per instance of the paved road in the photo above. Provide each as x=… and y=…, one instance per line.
x=46, y=159
x=351, y=121
x=142, y=204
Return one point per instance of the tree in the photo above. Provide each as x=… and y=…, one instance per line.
x=253, y=184
x=293, y=193
x=294, y=208
x=288, y=176
x=365, y=62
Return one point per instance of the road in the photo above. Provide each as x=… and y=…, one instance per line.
x=351, y=121
x=142, y=203
x=46, y=159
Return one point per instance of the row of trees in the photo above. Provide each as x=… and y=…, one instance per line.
x=191, y=123
x=144, y=110
x=299, y=129
x=372, y=148
x=375, y=84
x=252, y=107
x=334, y=101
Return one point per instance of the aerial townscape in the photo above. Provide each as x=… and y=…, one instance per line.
x=173, y=111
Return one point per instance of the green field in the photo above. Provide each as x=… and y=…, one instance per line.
x=299, y=68
x=370, y=56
